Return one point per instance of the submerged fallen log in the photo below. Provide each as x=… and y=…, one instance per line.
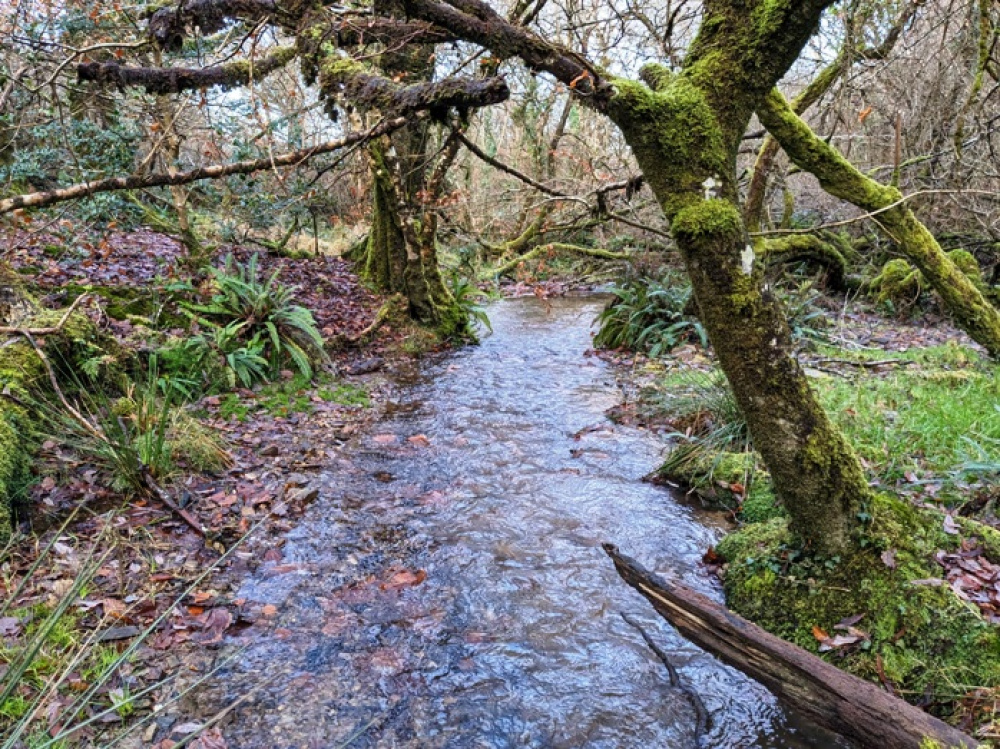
x=821, y=692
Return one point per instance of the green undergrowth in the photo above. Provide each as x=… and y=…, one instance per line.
x=23, y=377
x=933, y=647
x=929, y=425
x=154, y=306
x=292, y=396
x=923, y=422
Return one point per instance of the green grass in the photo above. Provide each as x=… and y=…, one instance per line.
x=925, y=422
x=231, y=406
x=346, y=395
x=936, y=420
x=292, y=396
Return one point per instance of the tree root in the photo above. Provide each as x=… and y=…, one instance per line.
x=383, y=314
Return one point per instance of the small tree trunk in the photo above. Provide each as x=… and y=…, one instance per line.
x=401, y=253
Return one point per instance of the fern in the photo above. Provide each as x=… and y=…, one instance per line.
x=257, y=326
x=648, y=315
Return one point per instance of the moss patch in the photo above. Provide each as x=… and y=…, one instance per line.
x=920, y=636
x=22, y=376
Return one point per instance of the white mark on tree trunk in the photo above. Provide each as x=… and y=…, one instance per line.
x=710, y=186
x=747, y=257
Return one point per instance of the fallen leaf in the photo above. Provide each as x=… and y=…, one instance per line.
x=889, y=558
x=419, y=440
x=215, y=623
x=819, y=633
x=385, y=439
x=269, y=610
x=849, y=621
x=950, y=526
x=113, y=608
x=210, y=739
x=404, y=579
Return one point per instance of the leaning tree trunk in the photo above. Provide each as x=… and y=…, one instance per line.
x=686, y=139
x=971, y=310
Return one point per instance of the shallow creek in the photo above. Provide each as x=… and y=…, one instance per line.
x=449, y=590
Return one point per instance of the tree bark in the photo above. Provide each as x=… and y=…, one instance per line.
x=834, y=699
x=401, y=252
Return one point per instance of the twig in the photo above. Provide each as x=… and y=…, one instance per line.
x=49, y=330
x=703, y=720
x=161, y=494
x=863, y=364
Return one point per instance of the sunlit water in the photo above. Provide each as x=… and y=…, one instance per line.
x=515, y=637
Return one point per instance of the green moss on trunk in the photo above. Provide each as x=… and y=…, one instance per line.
x=685, y=138
x=22, y=378
x=807, y=247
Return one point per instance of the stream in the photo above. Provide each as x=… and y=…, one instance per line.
x=448, y=588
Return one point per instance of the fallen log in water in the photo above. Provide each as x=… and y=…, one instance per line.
x=821, y=692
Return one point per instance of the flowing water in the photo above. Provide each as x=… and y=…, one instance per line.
x=450, y=590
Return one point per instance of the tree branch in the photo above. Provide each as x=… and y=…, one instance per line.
x=136, y=181
x=168, y=26
x=175, y=80
x=354, y=32
x=349, y=80
x=481, y=154
x=477, y=22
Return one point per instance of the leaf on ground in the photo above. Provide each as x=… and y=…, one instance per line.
x=9, y=626
x=419, y=440
x=849, y=621
x=404, y=579
x=210, y=739
x=113, y=608
x=214, y=624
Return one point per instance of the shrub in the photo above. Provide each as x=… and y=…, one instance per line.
x=138, y=436
x=806, y=318
x=648, y=315
x=259, y=320
x=467, y=298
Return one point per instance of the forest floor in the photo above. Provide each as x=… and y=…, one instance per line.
x=161, y=590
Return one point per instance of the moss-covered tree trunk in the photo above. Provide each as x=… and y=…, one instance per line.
x=401, y=253
x=685, y=130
